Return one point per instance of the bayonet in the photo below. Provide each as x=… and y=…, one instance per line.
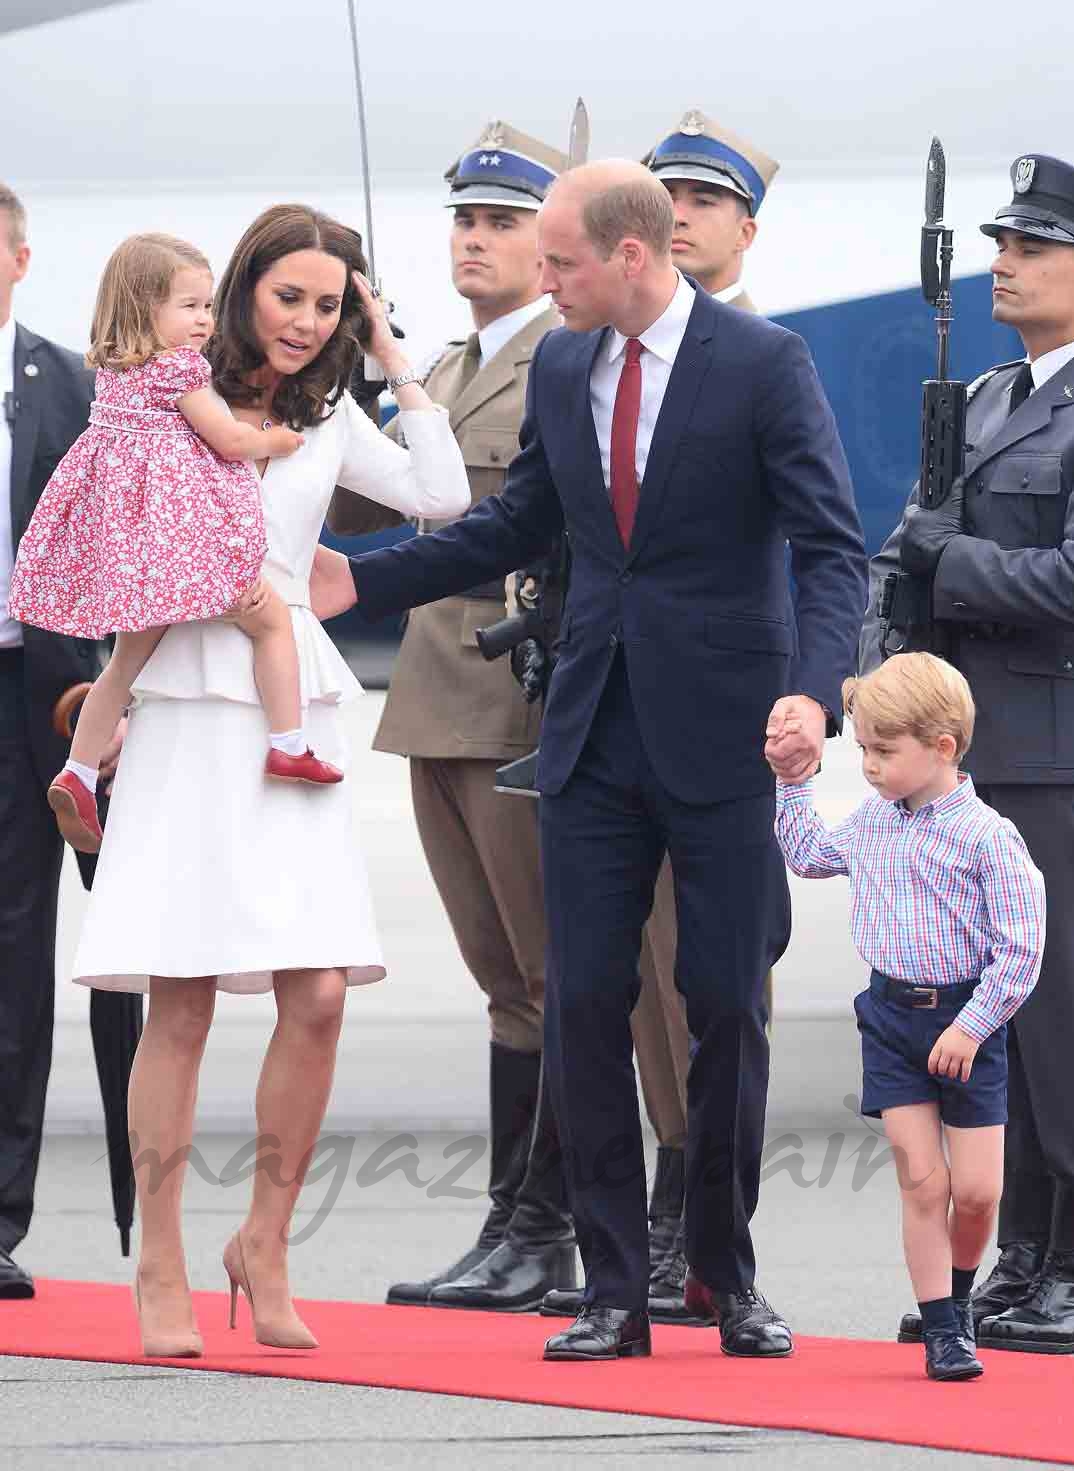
x=935, y=183
x=578, y=145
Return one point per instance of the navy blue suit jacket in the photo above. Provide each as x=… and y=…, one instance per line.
x=745, y=457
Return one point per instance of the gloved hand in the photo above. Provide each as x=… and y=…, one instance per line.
x=927, y=533
x=529, y=662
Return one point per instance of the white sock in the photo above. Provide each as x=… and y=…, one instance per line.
x=291, y=742
x=87, y=775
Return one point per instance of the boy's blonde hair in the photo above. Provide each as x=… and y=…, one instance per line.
x=136, y=281
x=917, y=695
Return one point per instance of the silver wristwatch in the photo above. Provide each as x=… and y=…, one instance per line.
x=408, y=377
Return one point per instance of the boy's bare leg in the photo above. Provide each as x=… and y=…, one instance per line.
x=111, y=694
x=275, y=661
x=915, y=1137
x=976, y=1185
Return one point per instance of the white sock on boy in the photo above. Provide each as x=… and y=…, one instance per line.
x=87, y=775
x=291, y=742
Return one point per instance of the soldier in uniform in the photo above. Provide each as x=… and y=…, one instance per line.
x=457, y=717
x=717, y=182
x=1000, y=553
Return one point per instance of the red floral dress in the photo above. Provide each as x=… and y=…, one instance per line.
x=142, y=524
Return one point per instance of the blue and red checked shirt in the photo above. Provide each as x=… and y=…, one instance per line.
x=939, y=896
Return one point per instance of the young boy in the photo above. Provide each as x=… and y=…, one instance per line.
x=948, y=910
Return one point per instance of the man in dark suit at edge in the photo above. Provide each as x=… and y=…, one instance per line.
x=46, y=393
x=682, y=450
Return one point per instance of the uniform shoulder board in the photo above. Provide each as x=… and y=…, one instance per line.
x=988, y=375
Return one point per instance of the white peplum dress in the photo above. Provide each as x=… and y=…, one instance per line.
x=208, y=868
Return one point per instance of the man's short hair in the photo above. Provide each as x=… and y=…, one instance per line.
x=11, y=207
x=917, y=695
x=635, y=210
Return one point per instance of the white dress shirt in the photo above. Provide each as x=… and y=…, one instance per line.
x=661, y=342
x=729, y=293
x=499, y=333
x=10, y=631
x=1049, y=363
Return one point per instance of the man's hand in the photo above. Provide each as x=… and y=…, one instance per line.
x=953, y=1055
x=925, y=533
x=795, y=737
x=110, y=755
x=331, y=584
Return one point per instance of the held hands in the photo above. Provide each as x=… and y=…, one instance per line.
x=280, y=442
x=926, y=533
x=953, y=1054
x=795, y=738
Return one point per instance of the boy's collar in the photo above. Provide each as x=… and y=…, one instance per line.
x=959, y=794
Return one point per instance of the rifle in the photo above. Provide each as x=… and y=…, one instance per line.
x=905, y=606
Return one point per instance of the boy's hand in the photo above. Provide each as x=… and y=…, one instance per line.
x=794, y=738
x=953, y=1055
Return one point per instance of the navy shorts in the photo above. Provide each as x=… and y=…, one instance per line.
x=896, y=1040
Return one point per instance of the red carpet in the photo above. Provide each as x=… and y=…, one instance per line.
x=1023, y=1406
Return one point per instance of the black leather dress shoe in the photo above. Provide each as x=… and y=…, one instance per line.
x=666, y=1301
x=1012, y=1281
x=749, y=1326
x=950, y=1356
x=14, y=1282
x=416, y=1294
x=511, y=1279
x=602, y=1333
x=1044, y=1323
x=567, y=1303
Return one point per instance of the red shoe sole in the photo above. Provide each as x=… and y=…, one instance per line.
x=72, y=829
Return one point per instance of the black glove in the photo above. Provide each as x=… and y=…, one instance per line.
x=529, y=665
x=927, y=533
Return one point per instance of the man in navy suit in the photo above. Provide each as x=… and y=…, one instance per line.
x=682, y=444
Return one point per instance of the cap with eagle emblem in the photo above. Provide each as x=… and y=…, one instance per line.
x=1043, y=202
x=709, y=153
x=504, y=167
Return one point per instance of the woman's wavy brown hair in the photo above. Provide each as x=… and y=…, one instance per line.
x=136, y=281
x=302, y=398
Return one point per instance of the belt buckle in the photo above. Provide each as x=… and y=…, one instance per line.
x=930, y=995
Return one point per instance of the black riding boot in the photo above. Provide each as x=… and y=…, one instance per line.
x=537, y=1254
x=667, y=1262
x=513, y=1088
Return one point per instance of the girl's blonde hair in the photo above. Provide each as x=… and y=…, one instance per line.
x=136, y=281
x=917, y=695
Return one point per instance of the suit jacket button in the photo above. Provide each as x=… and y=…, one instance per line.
x=494, y=456
x=1068, y=664
x=625, y=577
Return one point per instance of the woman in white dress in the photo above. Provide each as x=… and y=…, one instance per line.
x=211, y=877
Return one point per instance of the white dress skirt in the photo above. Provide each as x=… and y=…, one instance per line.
x=209, y=868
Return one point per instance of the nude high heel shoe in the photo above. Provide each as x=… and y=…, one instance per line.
x=291, y=1333
x=167, y=1345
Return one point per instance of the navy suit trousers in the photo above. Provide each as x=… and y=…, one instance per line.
x=603, y=838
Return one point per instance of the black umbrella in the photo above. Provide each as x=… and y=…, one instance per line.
x=115, y=1026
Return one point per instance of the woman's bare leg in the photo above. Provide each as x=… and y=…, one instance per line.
x=925, y=1187
x=161, y=1098
x=111, y=694
x=275, y=662
x=292, y=1095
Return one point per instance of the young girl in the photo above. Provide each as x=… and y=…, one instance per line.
x=154, y=517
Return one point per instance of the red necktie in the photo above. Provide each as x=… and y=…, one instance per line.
x=625, y=440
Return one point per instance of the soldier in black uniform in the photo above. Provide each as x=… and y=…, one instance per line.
x=1000, y=553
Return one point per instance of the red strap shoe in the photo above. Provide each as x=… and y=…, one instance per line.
x=76, y=812
x=301, y=768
